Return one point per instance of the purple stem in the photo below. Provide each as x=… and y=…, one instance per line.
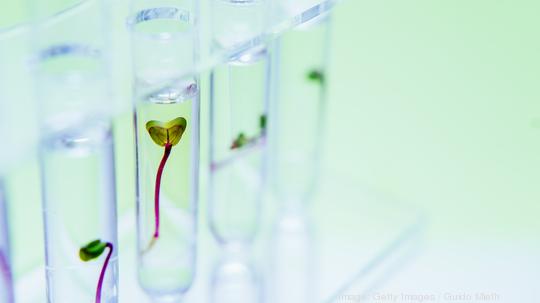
x=102, y=275
x=6, y=273
x=166, y=154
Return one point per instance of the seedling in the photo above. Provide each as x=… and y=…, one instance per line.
x=242, y=140
x=167, y=135
x=317, y=76
x=262, y=123
x=92, y=251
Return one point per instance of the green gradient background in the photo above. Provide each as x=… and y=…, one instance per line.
x=434, y=102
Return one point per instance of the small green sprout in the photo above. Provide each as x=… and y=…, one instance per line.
x=166, y=134
x=92, y=251
x=262, y=123
x=316, y=75
x=242, y=140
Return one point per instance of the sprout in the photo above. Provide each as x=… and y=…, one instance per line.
x=94, y=250
x=316, y=75
x=242, y=140
x=262, y=123
x=167, y=135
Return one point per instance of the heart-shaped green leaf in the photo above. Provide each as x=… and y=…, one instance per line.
x=92, y=250
x=166, y=133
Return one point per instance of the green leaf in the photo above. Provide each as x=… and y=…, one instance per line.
x=316, y=75
x=262, y=122
x=240, y=141
x=166, y=133
x=92, y=250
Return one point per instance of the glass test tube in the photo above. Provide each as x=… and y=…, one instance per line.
x=6, y=274
x=76, y=155
x=164, y=47
x=18, y=130
x=297, y=110
x=235, y=279
x=17, y=105
x=239, y=98
x=293, y=270
x=238, y=137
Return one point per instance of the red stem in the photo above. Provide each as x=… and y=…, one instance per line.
x=166, y=154
x=102, y=275
x=6, y=272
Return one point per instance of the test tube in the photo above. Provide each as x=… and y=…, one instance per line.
x=297, y=112
x=164, y=48
x=293, y=266
x=17, y=105
x=234, y=279
x=238, y=115
x=76, y=154
x=18, y=130
x=6, y=274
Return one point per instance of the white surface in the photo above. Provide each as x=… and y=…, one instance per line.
x=464, y=271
